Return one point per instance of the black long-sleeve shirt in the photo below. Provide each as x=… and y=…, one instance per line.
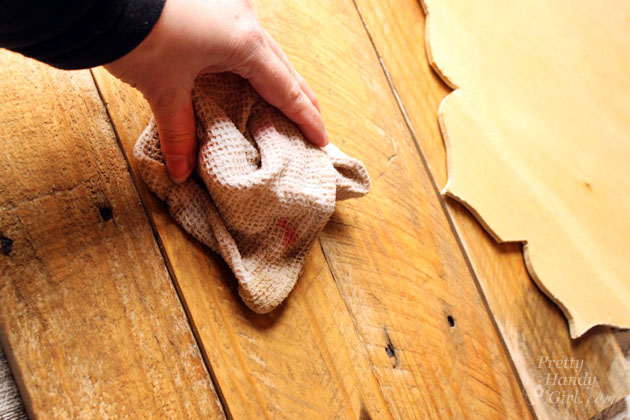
x=75, y=34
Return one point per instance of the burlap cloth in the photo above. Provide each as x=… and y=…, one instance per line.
x=261, y=193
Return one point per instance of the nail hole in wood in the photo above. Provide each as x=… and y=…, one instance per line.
x=364, y=415
x=389, y=349
x=106, y=213
x=6, y=244
x=451, y=321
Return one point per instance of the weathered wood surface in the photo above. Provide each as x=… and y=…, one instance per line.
x=303, y=360
x=366, y=333
x=530, y=324
x=368, y=323
x=89, y=317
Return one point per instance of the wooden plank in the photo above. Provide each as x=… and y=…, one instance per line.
x=89, y=318
x=303, y=360
x=371, y=328
x=530, y=324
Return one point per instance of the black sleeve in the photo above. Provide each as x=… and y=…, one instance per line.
x=76, y=34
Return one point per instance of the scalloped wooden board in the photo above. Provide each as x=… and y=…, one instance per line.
x=537, y=133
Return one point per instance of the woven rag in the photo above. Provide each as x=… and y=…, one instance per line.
x=260, y=193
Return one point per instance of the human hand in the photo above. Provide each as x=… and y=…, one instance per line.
x=211, y=36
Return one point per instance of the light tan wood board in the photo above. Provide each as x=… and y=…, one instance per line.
x=538, y=139
x=367, y=323
x=531, y=325
x=89, y=317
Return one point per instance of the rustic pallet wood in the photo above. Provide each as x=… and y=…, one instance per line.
x=387, y=321
x=303, y=360
x=89, y=318
x=531, y=325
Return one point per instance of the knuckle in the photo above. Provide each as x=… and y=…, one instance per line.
x=252, y=36
x=162, y=90
x=161, y=98
x=293, y=97
x=175, y=136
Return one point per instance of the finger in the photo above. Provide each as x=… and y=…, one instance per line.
x=309, y=92
x=175, y=121
x=275, y=84
x=282, y=56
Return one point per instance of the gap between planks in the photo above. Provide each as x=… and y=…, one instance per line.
x=167, y=262
x=482, y=253
x=442, y=201
x=190, y=319
x=337, y=285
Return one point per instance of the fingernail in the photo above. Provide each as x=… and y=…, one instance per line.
x=323, y=140
x=326, y=140
x=324, y=137
x=178, y=168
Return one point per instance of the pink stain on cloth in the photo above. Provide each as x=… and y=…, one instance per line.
x=261, y=192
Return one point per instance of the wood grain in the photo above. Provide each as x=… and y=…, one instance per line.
x=89, y=317
x=368, y=322
x=532, y=326
x=303, y=360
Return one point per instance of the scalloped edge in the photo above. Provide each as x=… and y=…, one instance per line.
x=576, y=328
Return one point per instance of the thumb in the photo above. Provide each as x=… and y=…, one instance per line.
x=175, y=122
